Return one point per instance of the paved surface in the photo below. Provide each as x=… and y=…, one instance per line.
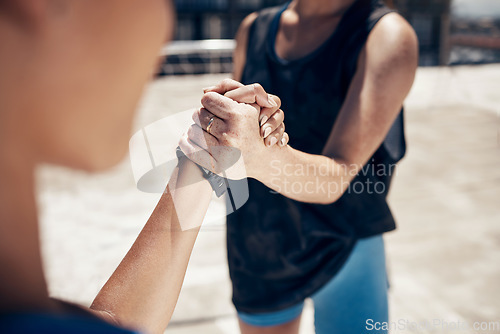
x=444, y=260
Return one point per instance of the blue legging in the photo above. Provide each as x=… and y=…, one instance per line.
x=354, y=299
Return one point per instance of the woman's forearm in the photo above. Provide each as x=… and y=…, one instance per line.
x=306, y=177
x=142, y=292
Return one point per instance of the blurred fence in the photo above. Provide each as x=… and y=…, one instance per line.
x=198, y=57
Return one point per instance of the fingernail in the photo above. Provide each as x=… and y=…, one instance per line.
x=273, y=141
x=267, y=131
x=271, y=101
x=282, y=141
x=263, y=120
x=211, y=88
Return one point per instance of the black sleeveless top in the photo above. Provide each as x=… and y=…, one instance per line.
x=281, y=251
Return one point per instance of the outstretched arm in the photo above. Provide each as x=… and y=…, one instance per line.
x=142, y=292
x=384, y=76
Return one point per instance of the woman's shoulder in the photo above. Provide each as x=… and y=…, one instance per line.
x=393, y=30
x=249, y=20
x=246, y=24
x=392, y=40
x=239, y=54
x=242, y=38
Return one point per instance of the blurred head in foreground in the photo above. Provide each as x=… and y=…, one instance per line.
x=72, y=72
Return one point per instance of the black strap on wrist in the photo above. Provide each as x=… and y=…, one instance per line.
x=217, y=182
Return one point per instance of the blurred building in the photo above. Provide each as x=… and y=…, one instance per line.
x=431, y=21
x=205, y=29
x=215, y=22
x=475, y=40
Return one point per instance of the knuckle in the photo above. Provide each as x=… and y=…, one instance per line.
x=205, y=117
x=208, y=98
x=231, y=141
x=257, y=87
x=220, y=104
x=282, y=114
x=236, y=118
x=277, y=117
x=197, y=115
x=226, y=82
x=226, y=138
x=191, y=133
x=277, y=100
x=183, y=140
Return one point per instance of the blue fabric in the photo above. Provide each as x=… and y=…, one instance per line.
x=24, y=323
x=357, y=294
x=272, y=319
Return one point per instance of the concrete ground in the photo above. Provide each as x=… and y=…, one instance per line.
x=444, y=259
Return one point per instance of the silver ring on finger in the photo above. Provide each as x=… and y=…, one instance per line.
x=210, y=123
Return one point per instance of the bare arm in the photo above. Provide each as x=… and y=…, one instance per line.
x=142, y=292
x=385, y=74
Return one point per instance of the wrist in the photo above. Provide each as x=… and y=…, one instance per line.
x=190, y=173
x=217, y=182
x=263, y=164
x=190, y=185
x=253, y=164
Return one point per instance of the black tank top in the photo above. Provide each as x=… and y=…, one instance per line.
x=281, y=251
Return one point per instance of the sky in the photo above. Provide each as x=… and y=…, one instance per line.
x=476, y=8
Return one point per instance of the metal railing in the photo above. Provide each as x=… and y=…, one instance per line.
x=198, y=57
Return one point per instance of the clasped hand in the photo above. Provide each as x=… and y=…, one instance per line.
x=235, y=119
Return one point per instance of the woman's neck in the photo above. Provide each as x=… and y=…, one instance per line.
x=322, y=8
x=23, y=284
